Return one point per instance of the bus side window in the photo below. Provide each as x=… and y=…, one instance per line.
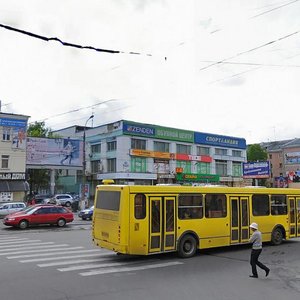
x=278, y=205
x=260, y=205
x=140, y=206
x=190, y=206
x=215, y=206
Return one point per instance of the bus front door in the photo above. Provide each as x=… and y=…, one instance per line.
x=162, y=224
x=239, y=231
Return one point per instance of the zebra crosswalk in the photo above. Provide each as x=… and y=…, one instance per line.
x=69, y=258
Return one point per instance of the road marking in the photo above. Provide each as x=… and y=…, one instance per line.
x=22, y=245
x=40, y=250
x=46, y=254
x=130, y=269
x=12, y=240
x=102, y=265
x=71, y=262
x=34, y=246
x=63, y=257
x=5, y=238
x=19, y=242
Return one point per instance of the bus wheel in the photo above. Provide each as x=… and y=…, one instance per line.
x=277, y=236
x=187, y=246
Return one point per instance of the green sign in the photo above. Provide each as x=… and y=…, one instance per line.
x=197, y=177
x=174, y=134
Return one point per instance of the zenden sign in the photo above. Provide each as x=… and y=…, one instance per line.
x=138, y=129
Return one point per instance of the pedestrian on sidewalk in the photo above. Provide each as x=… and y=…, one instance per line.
x=256, y=241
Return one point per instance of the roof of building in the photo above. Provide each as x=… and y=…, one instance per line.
x=275, y=145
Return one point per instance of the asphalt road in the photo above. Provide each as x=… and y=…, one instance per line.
x=56, y=264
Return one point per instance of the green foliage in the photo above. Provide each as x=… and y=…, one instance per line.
x=256, y=153
x=38, y=129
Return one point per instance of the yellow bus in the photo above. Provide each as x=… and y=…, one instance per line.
x=143, y=220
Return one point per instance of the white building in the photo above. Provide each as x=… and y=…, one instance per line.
x=136, y=153
x=13, y=186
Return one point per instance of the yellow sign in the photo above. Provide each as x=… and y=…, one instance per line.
x=146, y=153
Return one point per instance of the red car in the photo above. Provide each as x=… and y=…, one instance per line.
x=38, y=215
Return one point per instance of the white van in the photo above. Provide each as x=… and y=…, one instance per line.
x=8, y=208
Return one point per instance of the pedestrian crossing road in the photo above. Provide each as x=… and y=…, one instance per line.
x=69, y=258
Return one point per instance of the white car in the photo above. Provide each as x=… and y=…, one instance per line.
x=8, y=208
x=62, y=199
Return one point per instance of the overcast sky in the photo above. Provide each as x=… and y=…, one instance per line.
x=229, y=67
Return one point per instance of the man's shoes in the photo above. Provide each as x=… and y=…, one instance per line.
x=267, y=272
x=253, y=276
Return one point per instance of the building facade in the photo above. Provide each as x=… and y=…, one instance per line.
x=284, y=157
x=13, y=185
x=136, y=153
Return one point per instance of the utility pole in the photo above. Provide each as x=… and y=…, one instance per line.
x=83, y=193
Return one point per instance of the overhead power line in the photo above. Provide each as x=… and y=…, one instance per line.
x=251, y=64
x=250, y=50
x=76, y=110
x=275, y=8
x=68, y=44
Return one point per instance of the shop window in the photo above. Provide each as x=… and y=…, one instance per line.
x=161, y=147
x=215, y=206
x=183, y=149
x=138, y=144
x=202, y=150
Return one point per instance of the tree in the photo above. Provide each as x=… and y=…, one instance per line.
x=38, y=129
x=38, y=178
x=256, y=153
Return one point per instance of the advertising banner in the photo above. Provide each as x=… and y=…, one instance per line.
x=292, y=158
x=197, y=177
x=201, y=158
x=256, y=169
x=174, y=134
x=44, y=151
x=138, y=129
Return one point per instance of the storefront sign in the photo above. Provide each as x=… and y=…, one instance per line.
x=12, y=176
x=219, y=140
x=201, y=158
x=6, y=122
x=147, y=153
x=138, y=129
x=174, y=134
x=197, y=177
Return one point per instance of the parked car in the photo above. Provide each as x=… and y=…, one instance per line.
x=86, y=214
x=39, y=214
x=8, y=208
x=38, y=199
x=62, y=199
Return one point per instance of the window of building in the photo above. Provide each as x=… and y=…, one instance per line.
x=215, y=206
x=221, y=167
x=203, y=168
x=161, y=147
x=111, y=165
x=236, y=169
x=183, y=149
x=96, y=148
x=138, y=144
x=4, y=161
x=140, y=206
x=220, y=151
x=138, y=164
x=202, y=150
x=185, y=165
x=111, y=146
x=6, y=135
x=278, y=205
x=95, y=166
x=280, y=165
x=237, y=153
x=190, y=206
x=260, y=205
x=270, y=156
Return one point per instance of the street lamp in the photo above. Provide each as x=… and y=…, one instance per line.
x=83, y=194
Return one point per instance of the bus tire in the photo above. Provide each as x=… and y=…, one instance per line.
x=187, y=246
x=277, y=236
